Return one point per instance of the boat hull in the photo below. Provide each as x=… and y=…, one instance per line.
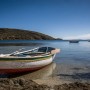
x=20, y=66
x=18, y=70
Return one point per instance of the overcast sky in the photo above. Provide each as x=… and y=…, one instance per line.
x=66, y=19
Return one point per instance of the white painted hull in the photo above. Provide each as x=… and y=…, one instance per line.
x=24, y=64
x=9, y=67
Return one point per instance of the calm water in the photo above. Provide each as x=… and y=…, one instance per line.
x=73, y=56
x=77, y=53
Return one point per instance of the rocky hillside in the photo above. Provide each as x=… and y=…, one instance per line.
x=17, y=34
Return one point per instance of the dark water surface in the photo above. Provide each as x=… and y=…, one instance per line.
x=73, y=60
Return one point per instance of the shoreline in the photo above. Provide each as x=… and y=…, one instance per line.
x=22, y=84
x=51, y=77
x=47, y=79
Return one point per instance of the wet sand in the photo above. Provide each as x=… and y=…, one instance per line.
x=68, y=77
x=22, y=84
x=56, y=74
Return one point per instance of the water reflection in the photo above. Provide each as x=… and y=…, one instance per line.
x=42, y=73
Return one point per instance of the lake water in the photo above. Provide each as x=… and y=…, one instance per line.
x=77, y=53
x=72, y=62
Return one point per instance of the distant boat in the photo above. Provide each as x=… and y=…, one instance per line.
x=25, y=61
x=73, y=41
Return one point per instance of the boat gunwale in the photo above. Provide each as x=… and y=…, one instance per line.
x=27, y=58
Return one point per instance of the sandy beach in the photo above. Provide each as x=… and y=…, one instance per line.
x=22, y=84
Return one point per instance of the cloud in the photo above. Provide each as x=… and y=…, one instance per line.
x=84, y=37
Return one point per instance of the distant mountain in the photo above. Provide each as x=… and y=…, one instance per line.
x=18, y=34
x=58, y=39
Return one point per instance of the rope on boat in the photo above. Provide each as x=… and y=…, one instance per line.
x=18, y=52
x=24, y=51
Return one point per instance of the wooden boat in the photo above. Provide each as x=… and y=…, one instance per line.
x=74, y=41
x=38, y=74
x=26, y=61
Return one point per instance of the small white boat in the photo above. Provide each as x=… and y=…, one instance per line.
x=26, y=61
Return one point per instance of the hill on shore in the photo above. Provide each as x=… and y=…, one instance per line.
x=18, y=34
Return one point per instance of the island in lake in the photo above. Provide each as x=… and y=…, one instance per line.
x=18, y=34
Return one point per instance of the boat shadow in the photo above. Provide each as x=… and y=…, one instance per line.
x=41, y=73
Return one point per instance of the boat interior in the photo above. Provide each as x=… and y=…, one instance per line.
x=42, y=51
